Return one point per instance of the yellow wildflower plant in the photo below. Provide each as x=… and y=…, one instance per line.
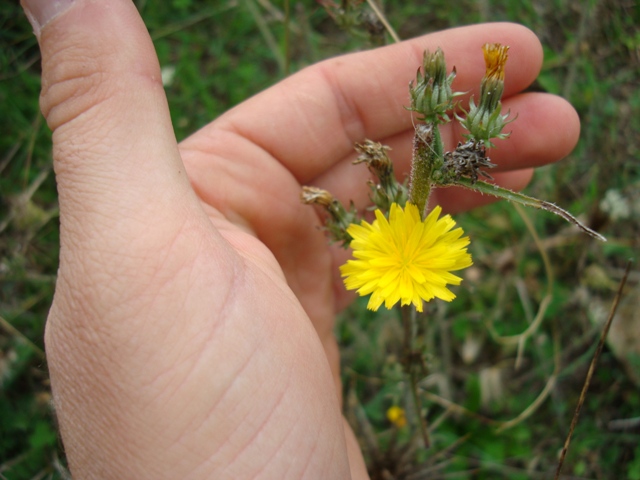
x=405, y=259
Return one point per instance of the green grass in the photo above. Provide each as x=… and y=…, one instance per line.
x=221, y=56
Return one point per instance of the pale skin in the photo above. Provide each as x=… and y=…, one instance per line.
x=191, y=330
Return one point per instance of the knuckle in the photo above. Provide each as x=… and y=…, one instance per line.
x=74, y=80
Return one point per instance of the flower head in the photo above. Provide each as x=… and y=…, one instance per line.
x=397, y=416
x=484, y=121
x=492, y=86
x=432, y=96
x=404, y=258
x=495, y=58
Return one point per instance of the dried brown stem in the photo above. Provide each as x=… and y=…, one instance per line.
x=592, y=368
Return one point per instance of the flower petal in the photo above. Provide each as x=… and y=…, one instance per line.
x=405, y=259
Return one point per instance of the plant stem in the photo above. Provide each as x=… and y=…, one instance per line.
x=408, y=318
x=424, y=430
x=427, y=159
x=592, y=367
x=384, y=21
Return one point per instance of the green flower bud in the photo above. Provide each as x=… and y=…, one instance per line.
x=431, y=96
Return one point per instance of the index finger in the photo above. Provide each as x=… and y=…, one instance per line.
x=310, y=121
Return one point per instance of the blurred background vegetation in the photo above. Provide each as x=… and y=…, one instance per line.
x=215, y=54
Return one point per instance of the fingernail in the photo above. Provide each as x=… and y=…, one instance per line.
x=41, y=12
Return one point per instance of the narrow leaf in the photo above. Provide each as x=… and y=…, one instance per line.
x=496, y=191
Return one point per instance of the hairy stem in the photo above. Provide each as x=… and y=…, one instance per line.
x=428, y=157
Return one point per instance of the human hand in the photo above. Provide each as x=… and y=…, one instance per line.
x=191, y=330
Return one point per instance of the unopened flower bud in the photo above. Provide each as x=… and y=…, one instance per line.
x=484, y=121
x=431, y=96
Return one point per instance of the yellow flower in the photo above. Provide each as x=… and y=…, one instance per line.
x=495, y=57
x=404, y=258
x=485, y=121
x=397, y=416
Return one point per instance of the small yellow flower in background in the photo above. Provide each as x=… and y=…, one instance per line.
x=405, y=259
x=495, y=57
x=397, y=416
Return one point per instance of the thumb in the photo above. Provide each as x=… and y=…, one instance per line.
x=130, y=228
x=130, y=223
x=115, y=153
x=123, y=190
